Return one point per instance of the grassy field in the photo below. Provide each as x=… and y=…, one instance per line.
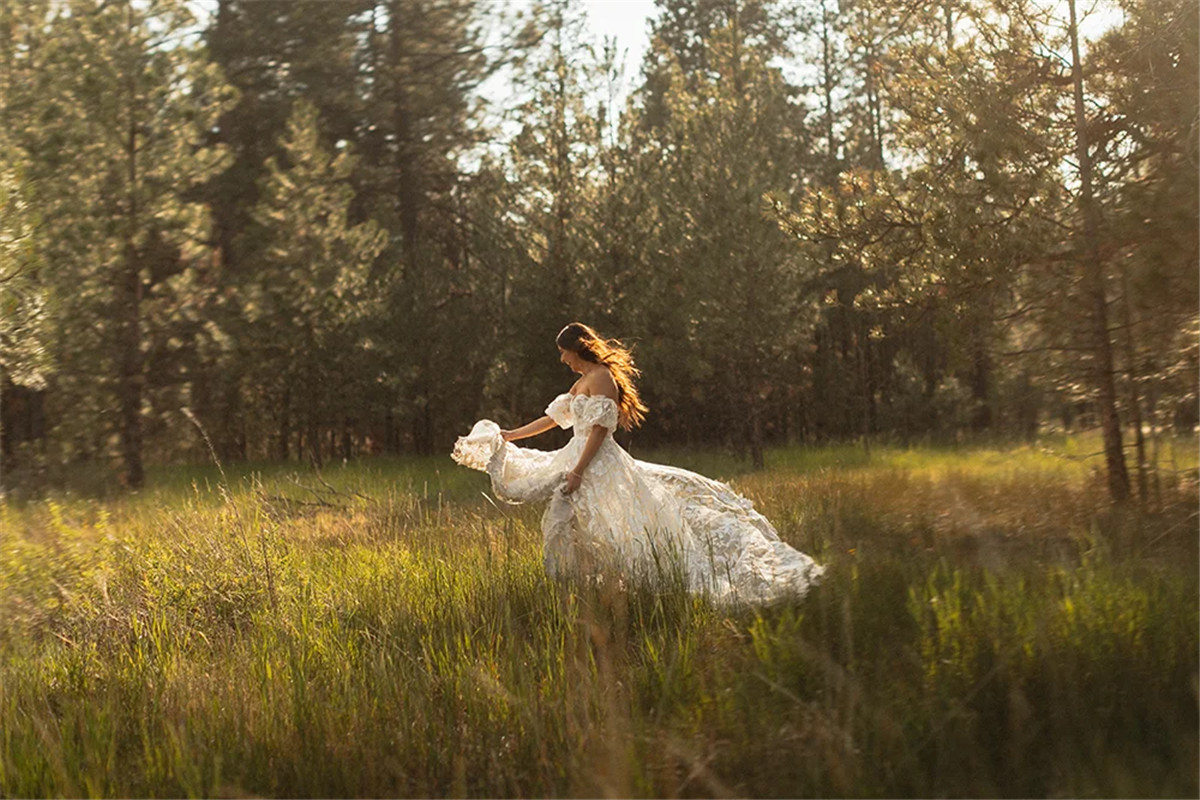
x=988, y=626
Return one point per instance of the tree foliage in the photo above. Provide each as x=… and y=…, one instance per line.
x=324, y=229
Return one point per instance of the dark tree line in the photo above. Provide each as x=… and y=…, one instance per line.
x=314, y=226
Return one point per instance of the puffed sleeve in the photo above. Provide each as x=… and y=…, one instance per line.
x=559, y=410
x=598, y=410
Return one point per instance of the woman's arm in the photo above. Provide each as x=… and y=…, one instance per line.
x=532, y=429
x=594, y=440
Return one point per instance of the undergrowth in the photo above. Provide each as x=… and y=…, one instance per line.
x=988, y=626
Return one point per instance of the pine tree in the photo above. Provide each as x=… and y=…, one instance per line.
x=922, y=261
x=1146, y=73
x=23, y=355
x=119, y=160
x=273, y=54
x=554, y=161
x=730, y=279
x=421, y=62
x=308, y=313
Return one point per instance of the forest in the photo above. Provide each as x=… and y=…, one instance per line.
x=314, y=231
x=918, y=282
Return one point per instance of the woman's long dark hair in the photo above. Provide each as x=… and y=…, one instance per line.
x=590, y=346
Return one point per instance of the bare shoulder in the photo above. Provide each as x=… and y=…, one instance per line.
x=600, y=382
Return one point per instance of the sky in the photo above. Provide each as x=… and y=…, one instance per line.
x=627, y=21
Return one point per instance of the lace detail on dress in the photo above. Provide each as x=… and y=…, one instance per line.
x=643, y=520
x=476, y=448
x=559, y=410
x=519, y=475
x=592, y=410
x=583, y=411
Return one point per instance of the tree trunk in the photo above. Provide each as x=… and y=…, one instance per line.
x=422, y=418
x=1154, y=427
x=347, y=440
x=871, y=84
x=235, y=424
x=827, y=84
x=1135, y=400
x=408, y=193
x=1093, y=282
x=407, y=190
x=391, y=436
x=314, y=441
x=981, y=369
x=283, y=442
x=559, y=268
x=756, y=436
x=868, y=401
x=127, y=308
x=130, y=388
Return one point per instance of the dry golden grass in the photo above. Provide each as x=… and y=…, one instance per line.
x=988, y=626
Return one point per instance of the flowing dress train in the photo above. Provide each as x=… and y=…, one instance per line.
x=640, y=518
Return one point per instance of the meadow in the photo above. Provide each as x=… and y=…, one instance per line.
x=988, y=626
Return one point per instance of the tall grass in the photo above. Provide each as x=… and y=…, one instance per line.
x=988, y=626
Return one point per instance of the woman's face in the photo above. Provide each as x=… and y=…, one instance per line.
x=571, y=359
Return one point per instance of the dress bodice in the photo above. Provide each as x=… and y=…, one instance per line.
x=582, y=412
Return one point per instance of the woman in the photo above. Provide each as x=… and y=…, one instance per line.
x=610, y=511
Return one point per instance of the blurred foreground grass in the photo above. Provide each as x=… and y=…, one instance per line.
x=988, y=626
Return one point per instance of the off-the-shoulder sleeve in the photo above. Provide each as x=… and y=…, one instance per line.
x=559, y=410
x=597, y=410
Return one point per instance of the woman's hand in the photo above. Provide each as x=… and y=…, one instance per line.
x=573, y=481
x=507, y=436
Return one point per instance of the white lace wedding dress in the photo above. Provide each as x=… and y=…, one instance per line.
x=638, y=518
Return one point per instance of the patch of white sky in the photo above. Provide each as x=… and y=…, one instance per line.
x=623, y=23
x=1050, y=19
x=627, y=21
x=1096, y=17
x=627, y=24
